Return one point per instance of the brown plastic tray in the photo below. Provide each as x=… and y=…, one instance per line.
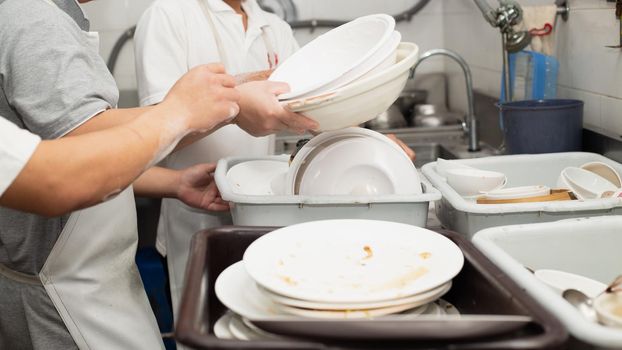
x=480, y=288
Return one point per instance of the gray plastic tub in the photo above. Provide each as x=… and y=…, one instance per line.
x=288, y=210
x=589, y=247
x=468, y=217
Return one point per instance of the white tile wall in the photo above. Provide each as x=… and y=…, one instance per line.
x=588, y=70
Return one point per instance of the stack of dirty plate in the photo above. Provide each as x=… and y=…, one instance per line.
x=348, y=75
x=337, y=270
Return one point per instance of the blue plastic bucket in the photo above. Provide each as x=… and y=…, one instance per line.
x=542, y=126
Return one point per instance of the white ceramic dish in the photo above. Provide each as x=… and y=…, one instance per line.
x=608, y=307
x=359, y=166
x=362, y=100
x=352, y=261
x=417, y=298
x=471, y=182
x=443, y=165
x=382, y=59
x=518, y=192
x=586, y=184
x=258, y=178
x=350, y=314
x=604, y=170
x=314, y=146
x=334, y=54
x=559, y=281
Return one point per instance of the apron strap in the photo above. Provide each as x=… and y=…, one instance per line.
x=19, y=276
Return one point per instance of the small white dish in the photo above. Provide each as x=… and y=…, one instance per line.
x=349, y=314
x=608, y=308
x=257, y=177
x=560, y=281
x=586, y=184
x=352, y=261
x=471, y=182
x=518, y=192
x=334, y=54
x=604, y=170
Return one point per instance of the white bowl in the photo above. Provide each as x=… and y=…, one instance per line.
x=443, y=165
x=608, y=307
x=334, y=54
x=586, y=184
x=384, y=58
x=305, y=155
x=470, y=182
x=605, y=171
x=560, y=281
x=518, y=192
x=258, y=177
x=360, y=167
x=362, y=100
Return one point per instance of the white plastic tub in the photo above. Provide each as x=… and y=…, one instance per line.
x=467, y=217
x=588, y=246
x=284, y=210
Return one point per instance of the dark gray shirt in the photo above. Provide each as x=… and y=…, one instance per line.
x=51, y=81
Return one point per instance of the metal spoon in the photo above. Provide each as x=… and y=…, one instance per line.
x=585, y=304
x=582, y=302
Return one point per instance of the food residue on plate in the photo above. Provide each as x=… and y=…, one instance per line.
x=290, y=281
x=404, y=280
x=425, y=255
x=369, y=253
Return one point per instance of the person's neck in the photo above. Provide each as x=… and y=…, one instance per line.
x=236, y=5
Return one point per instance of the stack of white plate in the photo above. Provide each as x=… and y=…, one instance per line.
x=348, y=75
x=338, y=269
x=352, y=161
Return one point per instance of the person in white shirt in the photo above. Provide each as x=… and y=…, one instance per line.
x=172, y=37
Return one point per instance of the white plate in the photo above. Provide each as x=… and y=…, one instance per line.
x=518, y=192
x=351, y=314
x=417, y=298
x=359, y=166
x=334, y=54
x=258, y=177
x=352, y=261
x=586, y=184
x=561, y=280
x=221, y=327
x=382, y=59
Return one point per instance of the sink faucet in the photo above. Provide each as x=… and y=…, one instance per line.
x=470, y=123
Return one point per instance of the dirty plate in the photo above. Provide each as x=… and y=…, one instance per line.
x=352, y=261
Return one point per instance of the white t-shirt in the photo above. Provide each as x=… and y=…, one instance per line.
x=174, y=36
x=16, y=147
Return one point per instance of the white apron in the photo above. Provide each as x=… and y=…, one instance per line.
x=179, y=222
x=92, y=278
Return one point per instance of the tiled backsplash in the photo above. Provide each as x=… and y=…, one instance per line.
x=588, y=70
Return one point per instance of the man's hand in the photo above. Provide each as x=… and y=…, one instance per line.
x=203, y=98
x=198, y=189
x=409, y=151
x=261, y=113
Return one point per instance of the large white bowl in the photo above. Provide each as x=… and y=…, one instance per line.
x=604, y=170
x=359, y=166
x=470, y=182
x=362, y=100
x=384, y=58
x=334, y=54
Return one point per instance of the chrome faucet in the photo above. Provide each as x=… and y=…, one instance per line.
x=469, y=125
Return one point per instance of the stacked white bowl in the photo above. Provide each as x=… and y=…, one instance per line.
x=348, y=75
x=339, y=269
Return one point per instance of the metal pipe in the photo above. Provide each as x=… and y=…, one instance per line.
x=470, y=125
x=507, y=84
